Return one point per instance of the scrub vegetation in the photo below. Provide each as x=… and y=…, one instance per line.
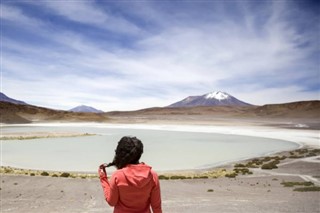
x=270, y=162
x=307, y=186
x=292, y=184
x=17, y=171
x=308, y=189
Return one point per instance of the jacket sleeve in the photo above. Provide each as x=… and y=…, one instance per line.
x=110, y=189
x=156, y=195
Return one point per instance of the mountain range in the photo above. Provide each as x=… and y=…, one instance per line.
x=210, y=99
x=216, y=98
x=287, y=114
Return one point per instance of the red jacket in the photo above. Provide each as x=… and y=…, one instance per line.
x=132, y=189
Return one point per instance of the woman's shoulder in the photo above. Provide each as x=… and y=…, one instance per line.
x=133, y=167
x=117, y=173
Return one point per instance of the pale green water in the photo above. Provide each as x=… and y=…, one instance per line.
x=163, y=150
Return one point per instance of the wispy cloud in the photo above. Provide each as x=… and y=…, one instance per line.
x=86, y=12
x=130, y=55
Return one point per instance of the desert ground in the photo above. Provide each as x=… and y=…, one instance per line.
x=263, y=190
x=260, y=192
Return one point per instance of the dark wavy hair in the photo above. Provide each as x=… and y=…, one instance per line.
x=129, y=151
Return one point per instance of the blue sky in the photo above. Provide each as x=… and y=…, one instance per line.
x=127, y=55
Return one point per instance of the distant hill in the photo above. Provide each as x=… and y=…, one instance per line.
x=304, y=114
x=301, y=109
x=18, y=113
x=210, y=99
x=84, y=108
x=307, y=109
x=5, y=98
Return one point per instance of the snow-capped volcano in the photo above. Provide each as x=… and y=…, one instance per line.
x=216, y=98
x=84, y=108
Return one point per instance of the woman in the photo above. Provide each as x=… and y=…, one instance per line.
x=134, y=186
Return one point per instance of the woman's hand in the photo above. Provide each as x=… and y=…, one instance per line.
x=102, y=170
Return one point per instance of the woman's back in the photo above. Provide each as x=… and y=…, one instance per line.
x=138, y=188
x=134, y=187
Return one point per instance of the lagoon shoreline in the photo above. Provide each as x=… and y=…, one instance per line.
x=260, y=191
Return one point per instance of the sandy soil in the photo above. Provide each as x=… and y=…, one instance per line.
x=260, y=192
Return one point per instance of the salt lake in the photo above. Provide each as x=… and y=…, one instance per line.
x=165, y=147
